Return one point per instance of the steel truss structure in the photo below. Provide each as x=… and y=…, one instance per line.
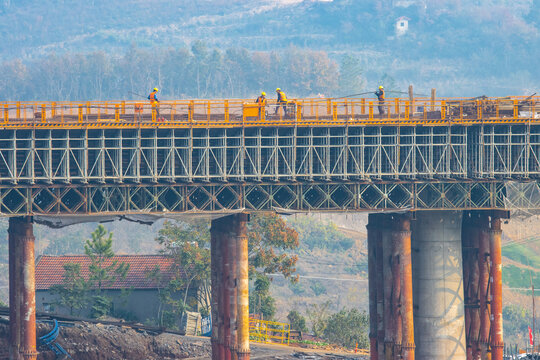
x=88, y=171
x=305, y=197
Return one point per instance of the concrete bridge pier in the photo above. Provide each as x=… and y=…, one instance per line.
x=439, y=317
x=230, y=288
x=22, y=298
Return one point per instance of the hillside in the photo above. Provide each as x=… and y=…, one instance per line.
x=462, y=48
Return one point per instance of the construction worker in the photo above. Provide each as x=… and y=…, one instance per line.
x=281, y=101
x=154, y=100
x=261, y=100
x=380, y=96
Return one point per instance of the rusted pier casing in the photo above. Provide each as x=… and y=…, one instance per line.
x=389, y=321
x=471, y=227
x=230, y=288
x=22, y=289
x=402, y=237
x=379, y=278
x=372, y=238
x=497, y=345
x=215, y=278
x=395, y=244
x=243, y=287
x=483, y=288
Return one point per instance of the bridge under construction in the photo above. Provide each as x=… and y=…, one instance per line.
x=438, y=177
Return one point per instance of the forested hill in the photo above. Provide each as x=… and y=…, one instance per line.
x=467, y=47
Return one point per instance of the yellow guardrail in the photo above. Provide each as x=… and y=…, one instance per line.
x=269, y=331
x=242, y=112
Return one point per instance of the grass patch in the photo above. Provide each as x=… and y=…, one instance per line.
x=521, y=254
x=519, y=278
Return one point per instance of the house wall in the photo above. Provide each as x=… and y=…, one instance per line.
x=143, y=304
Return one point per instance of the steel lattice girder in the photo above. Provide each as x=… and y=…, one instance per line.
x=160, y=199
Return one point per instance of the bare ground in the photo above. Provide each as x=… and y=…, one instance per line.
x=85, y=341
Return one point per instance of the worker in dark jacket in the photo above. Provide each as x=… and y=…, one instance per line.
x=261, y=100
x=281, y=101
x=154, y=100
x=380, y=96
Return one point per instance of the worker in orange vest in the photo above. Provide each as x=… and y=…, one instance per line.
x=281, y=100
x=261, y=101
x=153, y=99
x=380, y=96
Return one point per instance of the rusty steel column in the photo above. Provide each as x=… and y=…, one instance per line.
x=395, y=239
x=242, y=287
x=483, y=288
x=225, y=296
x=14, y=295
x=497, y=345
x=379, y=281
x=232, y=285
x=372, y=232
x=22, y=238
x=402, y=234
x=215, y=272
x=389, y=323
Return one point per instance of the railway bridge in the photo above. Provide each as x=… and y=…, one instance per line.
x=437, y=176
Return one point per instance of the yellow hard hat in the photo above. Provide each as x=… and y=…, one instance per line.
x=381, y=87
x=263, y=93
x=156, y=89
x=278, y=89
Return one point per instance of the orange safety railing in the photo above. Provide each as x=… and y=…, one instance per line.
x=298, y=112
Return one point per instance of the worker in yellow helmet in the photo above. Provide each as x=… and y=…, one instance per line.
x=261, y=100
x=380, y=95
x=154, y=100
x=281, y=101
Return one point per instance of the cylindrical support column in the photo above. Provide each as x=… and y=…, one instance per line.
x=14, y=294
x=379, y=281
x=226, y=273
x=372, y=232
x=215, y=275
x=389, y=322
x=242, y=287
x=395, y=239
x=402, y=235
x=22, y=238
x=483, y=289
x=497, y=345
x=232, y=284
x=439, y=321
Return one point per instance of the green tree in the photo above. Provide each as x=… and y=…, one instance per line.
x=188, y=245
x=318, y=288
x=73, y=290
x=318, y=316
x=347, y=328
x=315, y=234
x=297, y=321
x=260, y=301
x=102, y=271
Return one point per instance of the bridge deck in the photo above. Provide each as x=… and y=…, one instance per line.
x=301, y=112
x=326, y=155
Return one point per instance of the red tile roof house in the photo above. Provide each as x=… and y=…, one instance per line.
x=143, y=301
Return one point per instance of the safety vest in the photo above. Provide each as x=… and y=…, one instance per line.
x=261, y=100
x=152, y=96
x=282, y=96
x=380, y=94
